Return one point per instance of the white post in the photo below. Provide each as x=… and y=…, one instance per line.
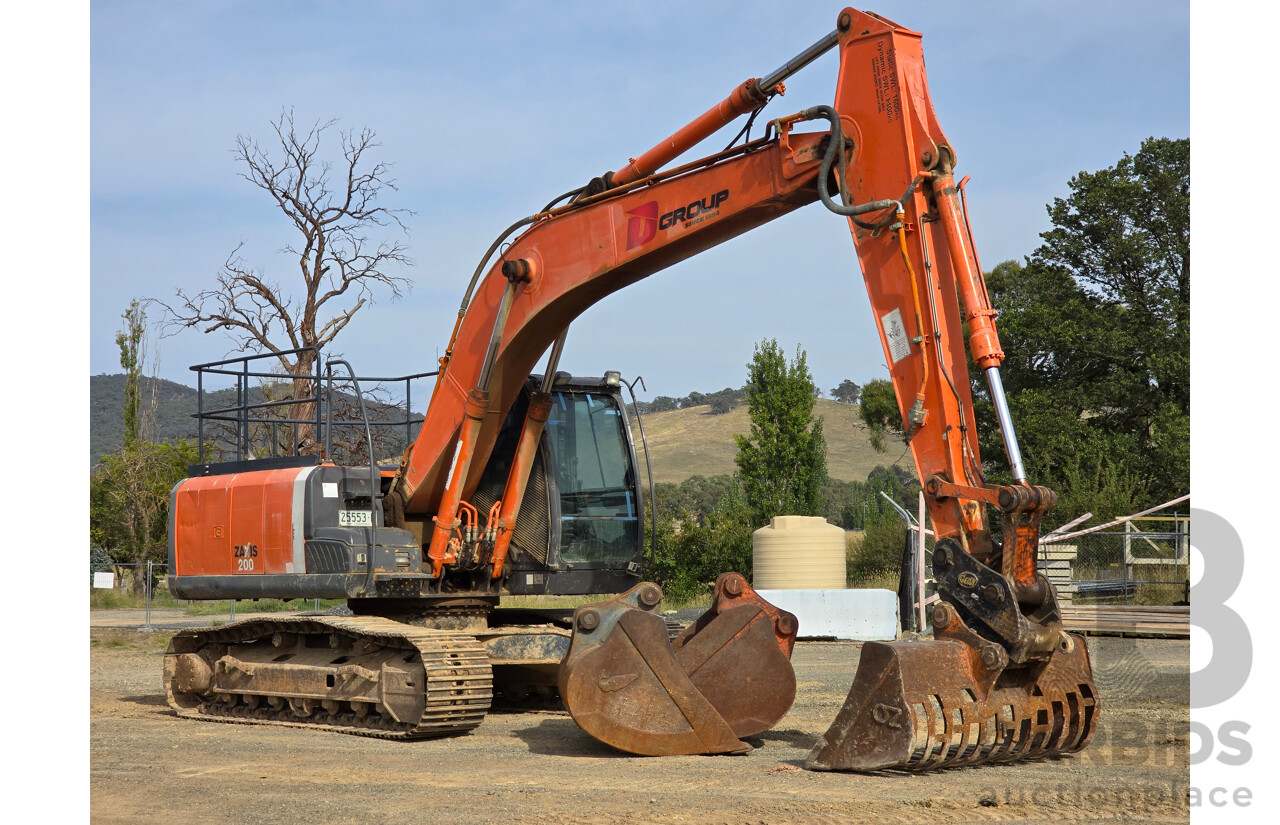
x=1128, y=554
x=920, y=567
x=148, y=626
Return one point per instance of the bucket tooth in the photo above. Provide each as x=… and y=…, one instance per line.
x=922, y=705
x=727, y=676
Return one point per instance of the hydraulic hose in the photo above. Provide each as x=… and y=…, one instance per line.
x=835, y=147
x=572, y=194
x=475, y=277
x=916, y=416
x=835, y=150
x=466, y=298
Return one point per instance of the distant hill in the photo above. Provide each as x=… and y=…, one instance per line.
x=175, y=404
x=685, y=443
x=693, y=441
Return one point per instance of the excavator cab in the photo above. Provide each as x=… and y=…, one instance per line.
x=581, y=525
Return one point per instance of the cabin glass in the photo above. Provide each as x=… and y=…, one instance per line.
x=598, y=518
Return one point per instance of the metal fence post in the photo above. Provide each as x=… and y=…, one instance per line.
x=920, y=614
x=1128, y=554
x=233, y=610
x=147, y=627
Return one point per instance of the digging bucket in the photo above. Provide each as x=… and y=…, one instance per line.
x=729, y=675
x=919, y=705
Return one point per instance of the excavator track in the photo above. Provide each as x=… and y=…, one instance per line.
x=363, y=675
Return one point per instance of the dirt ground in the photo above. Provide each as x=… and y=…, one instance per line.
x=149, y=766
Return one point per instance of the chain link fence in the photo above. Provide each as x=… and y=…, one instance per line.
x=1145, y=561
x=147, y=580
x=139, y=579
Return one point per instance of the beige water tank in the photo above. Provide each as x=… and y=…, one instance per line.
x=799, y=553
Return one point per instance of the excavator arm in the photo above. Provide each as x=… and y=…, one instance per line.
x=1001, y=680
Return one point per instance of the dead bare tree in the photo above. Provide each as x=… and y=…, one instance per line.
x=334, y=207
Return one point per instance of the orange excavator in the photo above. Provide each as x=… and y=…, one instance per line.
x=549, y=459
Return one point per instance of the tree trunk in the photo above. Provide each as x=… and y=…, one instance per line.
x=305, y=439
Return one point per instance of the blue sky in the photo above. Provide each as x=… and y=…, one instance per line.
x=488, y=111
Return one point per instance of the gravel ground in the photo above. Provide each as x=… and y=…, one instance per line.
x=149, y=766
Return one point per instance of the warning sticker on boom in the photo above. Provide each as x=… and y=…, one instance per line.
x=895, y=334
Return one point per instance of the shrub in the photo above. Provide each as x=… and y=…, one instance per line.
x=692, y=552
x=875, y=556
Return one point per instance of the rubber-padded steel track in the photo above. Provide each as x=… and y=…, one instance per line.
x=458, y=678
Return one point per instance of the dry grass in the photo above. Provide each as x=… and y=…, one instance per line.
x=886, y=579
x=549, y=602
x=120, y=600
x=121, y=639
x=693, y=442
x=882, y=580
x=213, y=608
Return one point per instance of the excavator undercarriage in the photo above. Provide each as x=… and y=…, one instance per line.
x=365, y=675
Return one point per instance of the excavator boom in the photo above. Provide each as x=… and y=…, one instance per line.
x=576, y=256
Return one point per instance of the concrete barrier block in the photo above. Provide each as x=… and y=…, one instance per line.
x=858, y=615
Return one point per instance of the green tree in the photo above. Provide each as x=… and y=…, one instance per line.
x=725, y=400
x=129, y=490
x=693, y=399
x=130, y=340
x=663, y=403
x=855, y=504
x=879, y=411
x=783, y=463
x=847, y=392
x=696, y=497
x=99, y=562
x=693, y=551
x=129, y=498
x=878, y=552
x=1096, y=331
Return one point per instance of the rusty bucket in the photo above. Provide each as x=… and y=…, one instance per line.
x=727, y=676
x=957, y=700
